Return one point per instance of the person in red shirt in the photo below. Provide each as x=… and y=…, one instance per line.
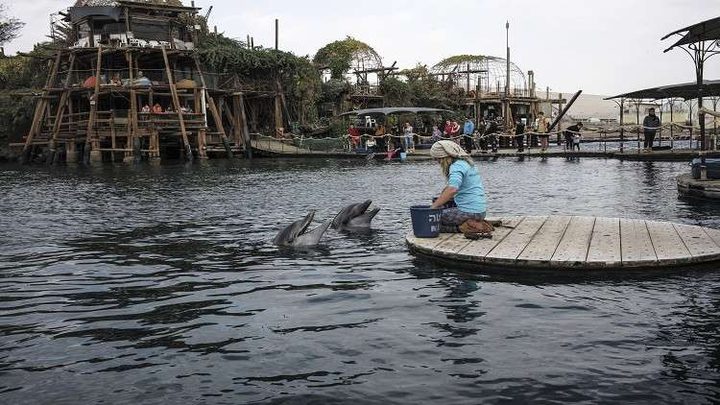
x=354, y=136
x=447, y=131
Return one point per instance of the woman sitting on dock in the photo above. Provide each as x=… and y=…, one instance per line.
x=465, y=187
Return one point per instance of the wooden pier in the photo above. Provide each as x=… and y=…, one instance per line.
x=577, y=243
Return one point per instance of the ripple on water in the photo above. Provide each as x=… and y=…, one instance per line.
x=161, y=285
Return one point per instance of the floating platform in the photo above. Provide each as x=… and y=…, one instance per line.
x=577, y=243
x=689, y=186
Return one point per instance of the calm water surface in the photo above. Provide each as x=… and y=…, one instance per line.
x=159, y=285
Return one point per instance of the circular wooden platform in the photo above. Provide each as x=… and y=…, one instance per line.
x=687, y=185
x=582, y=243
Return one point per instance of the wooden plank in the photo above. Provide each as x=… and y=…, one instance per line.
x=637, y=247
x=542, y=247
x=605, y=250
x=478, y=250
x=452, y=245
x=698, y=242
x=514, y=243
x=669, y=246
x=427, y=245
x=714, y=235
x=573, y=248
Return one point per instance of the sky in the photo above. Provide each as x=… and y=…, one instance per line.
x=602, y=47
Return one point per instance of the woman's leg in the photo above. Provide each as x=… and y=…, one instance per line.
x=453, y=217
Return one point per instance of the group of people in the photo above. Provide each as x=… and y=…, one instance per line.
x=158, y=109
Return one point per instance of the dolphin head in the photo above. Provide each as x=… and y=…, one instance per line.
x=290, y=234
x=311, y=238
x=355, y=216
x=362, y=221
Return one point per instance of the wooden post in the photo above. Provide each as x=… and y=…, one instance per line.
x=637, y=113
x=242, y=117
x=113, y=140
x=92, y=154
x=279, y=126
x=672, y=125
x=133, y=117
x=61, y=111
x=622, y=129
x=202, y=144
x=70, y=144
x=176, y=104
x=219, y=125
x=559, y=125
x=40, y=109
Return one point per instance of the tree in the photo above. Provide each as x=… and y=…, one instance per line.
x=9, y=26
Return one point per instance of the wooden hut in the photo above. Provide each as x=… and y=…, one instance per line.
x=129, y=85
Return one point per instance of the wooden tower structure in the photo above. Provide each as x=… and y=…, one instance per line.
x=130, y=86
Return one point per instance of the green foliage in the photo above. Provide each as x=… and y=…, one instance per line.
x=397, y=93
x=227, y=55
x=9, y=26
x=421, y=90
x=15, y=119
x=25, y=72
x=334, y=90
x=461, y=59
x=298, y=76
x=338, y=56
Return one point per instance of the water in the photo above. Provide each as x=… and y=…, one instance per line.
x=159, y=285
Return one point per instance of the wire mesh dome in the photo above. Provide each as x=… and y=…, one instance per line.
x=484, y=72
x=349, y=57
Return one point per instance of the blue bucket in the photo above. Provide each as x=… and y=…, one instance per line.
x=425, y=221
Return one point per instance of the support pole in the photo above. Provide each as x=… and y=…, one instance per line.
x=40, y=109
x=240, y=100
x=176, y=104
x=564, y=110
x=622, y=122
x=92, y=144
x=672, y=125
x=219, y=124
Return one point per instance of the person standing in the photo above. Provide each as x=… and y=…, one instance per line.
x=465, y=187
x=519, y=134
x=651, y=124
x=571, y=134
x=408, y=138
x=354, y=134
x=468, y=130
x=543, y=125
x=436, y=134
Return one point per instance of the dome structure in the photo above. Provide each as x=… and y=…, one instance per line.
x=485, y=72
x=349, y=57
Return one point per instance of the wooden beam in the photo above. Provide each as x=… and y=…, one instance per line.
x=40, y=109
x=219, y=125
x=243, y=118
x=91, y=143
x=176, y=103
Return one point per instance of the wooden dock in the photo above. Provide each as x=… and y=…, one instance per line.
x=577, y=243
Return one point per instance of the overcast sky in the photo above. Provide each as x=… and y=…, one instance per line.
x=603, y=47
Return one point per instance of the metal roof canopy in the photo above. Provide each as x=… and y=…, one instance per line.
x=705, y=31
x=686, y=91
x=395, y=110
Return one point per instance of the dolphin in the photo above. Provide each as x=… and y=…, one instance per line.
x=355, y=217
x=297, y=235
